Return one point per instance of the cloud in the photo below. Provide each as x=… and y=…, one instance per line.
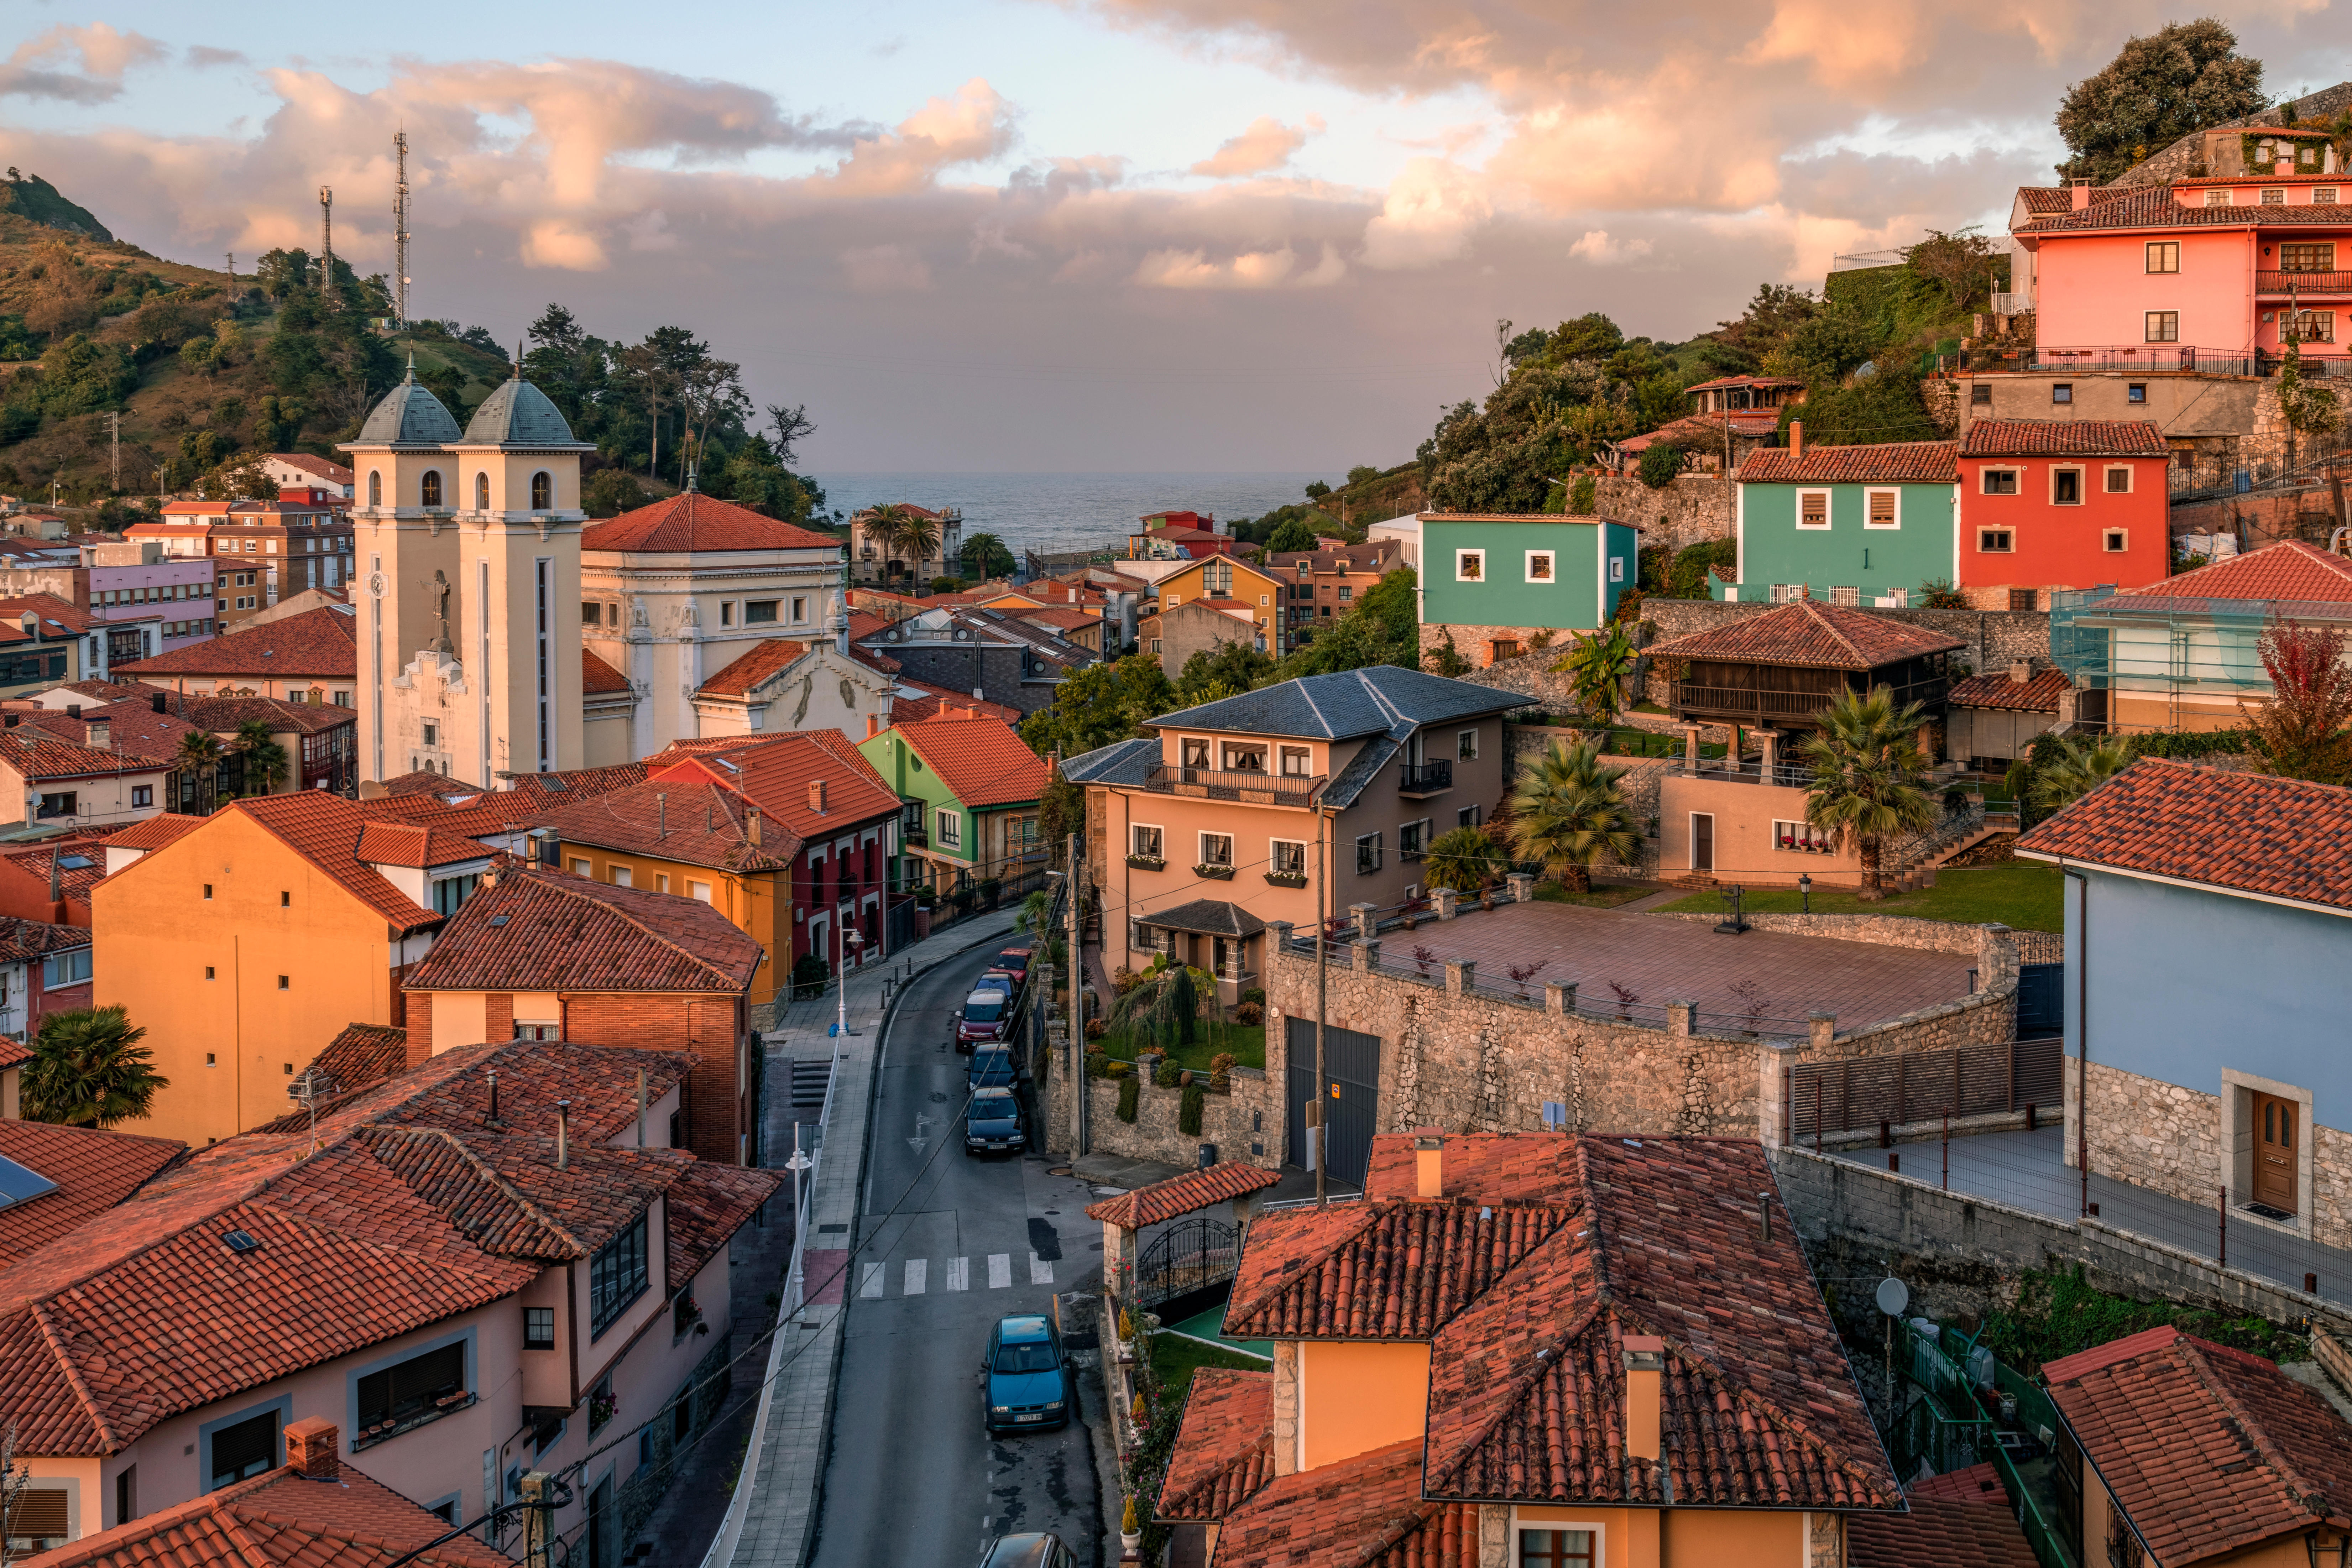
x=105, y=53
x=202, y=56
x=1266, y=144
x=884, y=269
x=974, y=125
x=1599, y=249
x=1252, y=270
x=1433, y=208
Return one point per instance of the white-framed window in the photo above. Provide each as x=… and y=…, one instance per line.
x=1800, y=836
x=698, y=891
x=1144, y=841
x=2066, y=486
x=2273, y=195
x=1616, y=568
x=1469, y=566
x=1465, y=746
x=2116, y=541
x=623, y=877
x=1998, y=481
x=2164, y=255
x=1217, y=849
x=1367, y=854
x=1297, y=761
x=2314, y=326
x=1539, y=566
x=581, y=868
x=1194, y=751
x=2217, y=198
x=2322, y=196
x=2118, y=478
x=1882, y=509
x=1286, y=856
x=2163, y=326
x=1995, y=540
x=1812, y=508
x=951, y=828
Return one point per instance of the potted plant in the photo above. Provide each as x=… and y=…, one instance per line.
x=1130, y=1531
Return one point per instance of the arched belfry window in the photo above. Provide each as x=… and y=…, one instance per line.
x=375, y=488
x=481, y=492
x=543, y=491
x=432, y=488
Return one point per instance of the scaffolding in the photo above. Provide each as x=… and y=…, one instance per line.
x=2165, y=662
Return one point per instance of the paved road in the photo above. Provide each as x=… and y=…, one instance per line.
x=948, y=1245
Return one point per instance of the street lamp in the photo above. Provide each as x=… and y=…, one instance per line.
x=1805, y=890
x=851, y=941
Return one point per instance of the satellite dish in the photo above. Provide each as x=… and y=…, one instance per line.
x=1893, y=1296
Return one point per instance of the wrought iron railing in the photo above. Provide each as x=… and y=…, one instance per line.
x=1425, y=778
x=1263, y=789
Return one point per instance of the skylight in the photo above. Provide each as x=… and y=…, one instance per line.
x=19, y=1185
x=75, y=863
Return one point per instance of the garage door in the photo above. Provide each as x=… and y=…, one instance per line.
x=1350, y=1094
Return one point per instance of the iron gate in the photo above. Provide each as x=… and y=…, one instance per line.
x=1350, y=1095
x=1191, y=1255
x=2040, y=1001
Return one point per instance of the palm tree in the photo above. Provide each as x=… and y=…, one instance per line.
x=1866, y=761
x=264, y=759
x=89, y=1069
x=1597, y=667
x=1463, y=859
x=198, y=755
x=886, y=526
x=1568, y=813
x=919, y=535
x=2079, y=768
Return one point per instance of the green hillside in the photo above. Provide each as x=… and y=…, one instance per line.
x=32, y=197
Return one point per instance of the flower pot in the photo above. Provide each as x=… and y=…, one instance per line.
x=1130, y=1545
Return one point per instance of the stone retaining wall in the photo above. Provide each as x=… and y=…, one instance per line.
x=1245, y=1125
x=1692, y=509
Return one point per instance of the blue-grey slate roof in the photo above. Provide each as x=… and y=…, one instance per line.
x=1121, y=763
x=1210, y=917
x=519, y=413
x=1353, y=702
x=409, y=414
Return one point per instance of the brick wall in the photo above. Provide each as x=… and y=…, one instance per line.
x=711, y=1028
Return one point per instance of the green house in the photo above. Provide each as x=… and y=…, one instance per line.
x=1496, y=583
x=970, y=791
x=1867, y=526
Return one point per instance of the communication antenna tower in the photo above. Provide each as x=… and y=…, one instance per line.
x=114, y=432
x=400, y=226
x=327, y=245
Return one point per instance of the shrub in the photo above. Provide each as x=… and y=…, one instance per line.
x=1661, y=461
x=1581, y=495
x=1221, y=1072
x=1114, y=1068
x=1249, y=1012
x=1096, y=1028
x=989, y=887
x=1166, y=1074
x=1097, y=1064
x=962, y=898
x=1131, y=1092
x=810, y=975
x=1188, y=1114
x=1254, y=993
x=925, y=897
x=1124, y=980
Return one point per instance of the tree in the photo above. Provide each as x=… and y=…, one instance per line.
x=1317, y=489
x=1291, y=534
x=985, y=555
x=264, y=759
x=1961, y=262
x=1596, y=667
x=1662, y=462
x=1464, y=860
x=2307, y=409
x=1099, y=704
x=89, y=1069
x=2304, y=730
x=1383, y=628
x=612, y=491
x=198, y=755
x=1886, y=406
x=1226, y=670
x=1362, y=474
x=1162, y=1010
x=1778, y=310
x=1825, y=347
x=1061, y=811
x=2185, y=77
x=1866, y=763
x=2073, y=768
x=792, y=426
x=1568, y=814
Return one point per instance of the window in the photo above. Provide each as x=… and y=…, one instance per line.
x=661, y=881
x=2114, y=541
x=1249, y=757
x=1616, y=568
x=1469, y=565
x=580, y=867
x=2273, y=196
x=2217, y=198
x=245, y=1450
x=1346, y=592
x=1217, y=849
x=1470, y=816
x=2062, y=392
x=758, y=611
x=2322, y=196
x=2164, y=255
x=1286, y=856
x=1146, y=842
x=2000, y=482
x=1802, y=835
x=1994, y=541
x=2135, y=392
x=622, y=876
x=1194, y=751
x=61, y=969
x=543, y=491
x=2315, y=327
x=951, y=828
x=1412, y=839
x=126, y=1495
x=1539, y=566
x=1503, y=648
x=727, y=612
x=1218, y=579
x=698, y=891
x=1812, y=508
x=800, y=610
x=1884, y=509
x=1297, y=761
x=405, y=1391
x=2308, y=256
x=432, y=733
x=1557, y=1548
x=208, y=890
x=481, y=492
x=2066, y=486
x=1367, y=854
x=286, y=983
x=430, y=491
x=1465, y=746
x=2119, y=479
x=451, y=892
x=375, y=488
x=616, y=1275
x=65, y=803
x=142, y=794
x=1980, y=394
x=2164, y=326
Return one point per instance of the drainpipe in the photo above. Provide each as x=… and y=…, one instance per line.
x=2082, y=1032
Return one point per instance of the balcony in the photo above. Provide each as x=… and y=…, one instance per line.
x=1750, y=705
x=1418, y=781
x=2305, y=284
x=1248, y=788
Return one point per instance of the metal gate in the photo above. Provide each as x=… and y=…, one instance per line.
x=1191, y=1255
x=2040, y=1001
x=1350, y=1095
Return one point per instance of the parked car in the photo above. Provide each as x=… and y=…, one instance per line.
x=992, y=1122
x=982, y=1017
x=1028, y=1378
x=1014, y=961
x=1037, y=1550
x=992, y=1067
x=1003, y=980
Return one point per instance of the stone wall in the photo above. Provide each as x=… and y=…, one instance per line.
x=1542, y=645
x=1245, y=1125
x=1692, y=509
x=1994, y=639
x=2309, y=513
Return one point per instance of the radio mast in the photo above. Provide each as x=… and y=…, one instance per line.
x=327, y=246
x=400, y=227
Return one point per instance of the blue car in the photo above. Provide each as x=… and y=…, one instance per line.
x=991, y=1124
x=992, y=1067
x=1028, y=1377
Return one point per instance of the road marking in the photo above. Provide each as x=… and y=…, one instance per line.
x=869, y=1284
x=916, y=1269
x=958, y=1273
x=1040, y=1271
x=1000, y=1270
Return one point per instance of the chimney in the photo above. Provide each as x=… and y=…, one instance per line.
x=1646, y=1366
x=661, y=815
x=101, y=734
x=943, y=708
x=817, y=796
x=156, y=703
x=1429, y=1162
x=1052, y=764
x=73, y=710
x=751, y=817
x=310, y=1448
x=2021, y=671
x=493, y=1118
x=1795, y=437
x=56, y=877
x=2078, y=194
x=873, y=725
x=563, y=1156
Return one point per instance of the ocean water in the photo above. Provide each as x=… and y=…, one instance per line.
x=1067, y=511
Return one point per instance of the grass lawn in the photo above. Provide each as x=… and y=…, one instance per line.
x=1176, y=1359
x=2021, y=894
x=1245, y=1041
x=1601, y=898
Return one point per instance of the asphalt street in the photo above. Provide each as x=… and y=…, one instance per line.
x=948, y=1244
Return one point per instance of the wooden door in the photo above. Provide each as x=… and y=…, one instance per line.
x=2275, y=1150
x=1702, y=841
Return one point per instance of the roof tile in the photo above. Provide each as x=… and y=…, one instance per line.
x=1181, y=1195
x=2037, y=694
x=692, y=521
x=1225, y=1445
x=318, y=643
x=2063, y=439
x=549, y=931
x=980, y=759
x=1891, y=462
x=93, y=1171
x=1810, y=634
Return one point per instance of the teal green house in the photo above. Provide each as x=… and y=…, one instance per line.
x=1496, y=582
x=1849, y=525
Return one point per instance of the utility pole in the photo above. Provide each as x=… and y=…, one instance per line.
x=1075, y=884
x=1316, y=1142
x=327, y=246
x=399, y=225
x=232, y=266
x=537, y=1508
x=114, y=438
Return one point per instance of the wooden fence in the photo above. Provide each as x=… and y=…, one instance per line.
x=1857, y=1094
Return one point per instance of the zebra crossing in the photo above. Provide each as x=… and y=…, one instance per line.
x=914, y=1275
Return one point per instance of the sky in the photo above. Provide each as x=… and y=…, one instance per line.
x=1080, y=234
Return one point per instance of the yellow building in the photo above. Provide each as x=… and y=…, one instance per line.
x=1227, y=583
x=248, y=943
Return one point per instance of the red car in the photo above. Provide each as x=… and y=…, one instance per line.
x=983, y=1018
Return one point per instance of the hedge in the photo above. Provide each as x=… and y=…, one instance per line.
x=1131, y=1090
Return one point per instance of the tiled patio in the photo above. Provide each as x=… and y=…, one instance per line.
x=1665, y=959
x=2029, y=1171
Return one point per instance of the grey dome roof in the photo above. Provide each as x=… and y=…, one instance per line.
x=518, y=411
x=408, y=414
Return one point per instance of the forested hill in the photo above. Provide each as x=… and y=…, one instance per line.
x=32, y=197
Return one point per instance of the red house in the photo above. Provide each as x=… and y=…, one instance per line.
x=2062, y=503
x=1169, y=534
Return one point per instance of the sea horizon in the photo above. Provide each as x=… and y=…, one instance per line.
x=1068, y=509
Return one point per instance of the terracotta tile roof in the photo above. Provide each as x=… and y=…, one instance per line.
x=549, y=931
x=2244, y=833
x=1893, y=462
x=318, y=643
x=2043, y=200
x=2289, y=571
x=1940, y=1532
x=424, y=781
x=451, y=1088
x=2155, y=207
x=223, y=715
x=774, y=773
x=362, y=1056
x=2040, y=694
x=281, y=1520
x=415, y=846
x=1978, y=1484
x=1362, y=1513
x=1225, y=1445
x=692, y=521
x=14, y=1053
x=764, y=660
x=56, y=614
x=21, y=940
x=699, y=825
x=36, y=753
x=905, y=710
x=1810, y=635
x=1722, y=381
x=1381, y=1270
x=74, y=881
x=93, y=1171
x=326, y=830
x=335, y=473
x=2209, y=1450
x=980, y=759
x=595, y=675
x=2063, y=439
x=134, y=728
x=1181, y=1195
x=1060, y=618
x=707, y=1204
x=579, y=784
